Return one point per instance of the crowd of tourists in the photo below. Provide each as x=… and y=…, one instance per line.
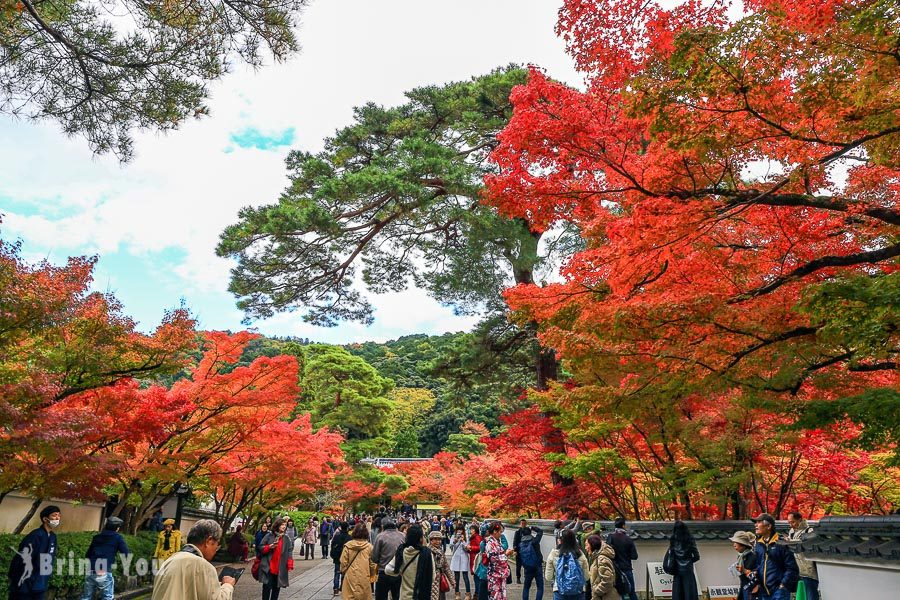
x=395, y=554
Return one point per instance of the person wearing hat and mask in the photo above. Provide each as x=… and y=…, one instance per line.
x=776, y=566
x=102, y=556
x=744, y=568
x=168, y=542
x=27, y=580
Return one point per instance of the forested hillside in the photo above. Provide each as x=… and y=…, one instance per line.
x=427, y=387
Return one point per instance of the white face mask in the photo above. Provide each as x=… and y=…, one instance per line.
x=54, y=523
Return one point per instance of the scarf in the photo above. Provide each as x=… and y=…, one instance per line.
x=167, y=535
x=424, y=571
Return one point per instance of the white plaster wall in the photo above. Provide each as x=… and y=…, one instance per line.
x=75, y=517
x=845, y=580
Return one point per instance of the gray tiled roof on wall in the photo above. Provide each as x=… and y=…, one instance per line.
x=861, y=538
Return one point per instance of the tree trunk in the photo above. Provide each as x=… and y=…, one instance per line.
x=34, y=506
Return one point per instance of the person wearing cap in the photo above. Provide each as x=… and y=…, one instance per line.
x=168, y=542
x=744, y=568
x=189, y=574
x=27, y=580
x=383, y=552
x=523, y=529
x=776, y=566
x=440, y=562
x=102, y=556
x=583, y=533
x=809, y=575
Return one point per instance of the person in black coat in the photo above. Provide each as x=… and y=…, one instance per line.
x=341, y=537
x=27, y=581
x=102, y=556
x=684, y=552
x=625, y=553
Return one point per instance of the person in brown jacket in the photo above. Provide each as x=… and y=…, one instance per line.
x=603, y=571
x=356, y=565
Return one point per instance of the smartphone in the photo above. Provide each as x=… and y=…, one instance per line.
x=231, y=572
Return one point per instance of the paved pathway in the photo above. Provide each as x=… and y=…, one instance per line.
x=312, y=580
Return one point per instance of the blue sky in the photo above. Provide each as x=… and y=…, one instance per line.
x=155, y=222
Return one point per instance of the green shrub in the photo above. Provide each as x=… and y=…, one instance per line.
x=67, y=582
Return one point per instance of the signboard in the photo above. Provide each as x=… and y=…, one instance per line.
x=723, y=591
x=659, y=583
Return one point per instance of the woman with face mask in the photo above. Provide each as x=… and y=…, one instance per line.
x=168, y=542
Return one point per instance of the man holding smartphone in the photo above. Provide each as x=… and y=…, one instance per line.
x=189, y=574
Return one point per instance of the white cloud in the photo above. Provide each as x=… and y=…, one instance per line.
x=183, y=188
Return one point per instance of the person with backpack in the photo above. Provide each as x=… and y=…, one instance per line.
x=517, y=538
x=809, y=576
x=498, y=562
x=340, y=538
x=531, y=559
x=625, y=553
x=679, y=562
x=603, y=574
x=567, y=568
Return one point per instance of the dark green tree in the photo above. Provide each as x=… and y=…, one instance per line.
x=343, y=392
x=395, y=199
x=103, y=70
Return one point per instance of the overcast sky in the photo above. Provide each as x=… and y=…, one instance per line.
x=155, y=221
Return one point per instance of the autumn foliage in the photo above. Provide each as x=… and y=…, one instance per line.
x=735, y=183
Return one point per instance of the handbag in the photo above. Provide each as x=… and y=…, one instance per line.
x=445, y=584
x=254, y=568
x=302, y=550
x=668, y=562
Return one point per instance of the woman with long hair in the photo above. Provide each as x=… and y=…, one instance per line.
x=356, y=566
x=276, y=551
x=569, y=552
x=684, y=551
x=414, y=564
